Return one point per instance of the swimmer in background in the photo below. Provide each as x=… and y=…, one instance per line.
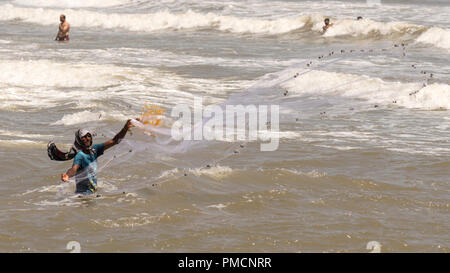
x=64, y=28
x=327, y=25
x=359, y=18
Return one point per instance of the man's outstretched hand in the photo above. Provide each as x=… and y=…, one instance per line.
x=129, y=124
x=64, y=177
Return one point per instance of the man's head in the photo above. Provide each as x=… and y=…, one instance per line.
x=62, y=18
x=83, y=139
x=87, y=140
x=327, y=21
x=359, y=18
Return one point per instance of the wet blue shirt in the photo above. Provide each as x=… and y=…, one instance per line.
x=86, y=177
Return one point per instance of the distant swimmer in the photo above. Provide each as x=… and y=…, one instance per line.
x=327, y=25
x=64, y=28
x=85, y=156
x=359, y=18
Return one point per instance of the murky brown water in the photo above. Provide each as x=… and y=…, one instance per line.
x=360, y=158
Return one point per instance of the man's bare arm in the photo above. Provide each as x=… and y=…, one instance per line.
x=71, y=172
x=65, y=28
x=116, y=140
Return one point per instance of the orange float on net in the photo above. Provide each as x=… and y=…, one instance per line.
x=152, y=115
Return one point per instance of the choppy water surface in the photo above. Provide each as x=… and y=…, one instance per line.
x=364, y=152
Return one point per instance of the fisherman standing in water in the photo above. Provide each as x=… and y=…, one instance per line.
x=84, y=166
x=64, y=27
x=327, y=25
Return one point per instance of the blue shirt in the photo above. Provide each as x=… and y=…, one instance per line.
x=86, y=177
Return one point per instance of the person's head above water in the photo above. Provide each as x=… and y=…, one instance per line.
x=83, y=139
x=327, y=21
x=359, y=18
x=62, y=18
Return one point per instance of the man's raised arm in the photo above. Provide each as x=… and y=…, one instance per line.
x=119, y=136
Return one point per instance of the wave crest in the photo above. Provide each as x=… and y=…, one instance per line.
x=436, y=36
x=165, y=20
x=409, y=95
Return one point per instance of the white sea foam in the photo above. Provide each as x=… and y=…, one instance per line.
x=20, y=99
x=50, y=188
x=70, y=3
x=434, y=96
x=20, y=142
x=140, y=219
x=219, y=206
x=166, y=20
x=215, y=172
x=312, y=174
x=374, y=90
x=66, y=202
x=367, y=28
x=436, y=36
x=166, y=174
x=22, y=134
x=87, y=116
x=31, y=84
x=48, y=73
x=169, y=59
x=155, y=21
